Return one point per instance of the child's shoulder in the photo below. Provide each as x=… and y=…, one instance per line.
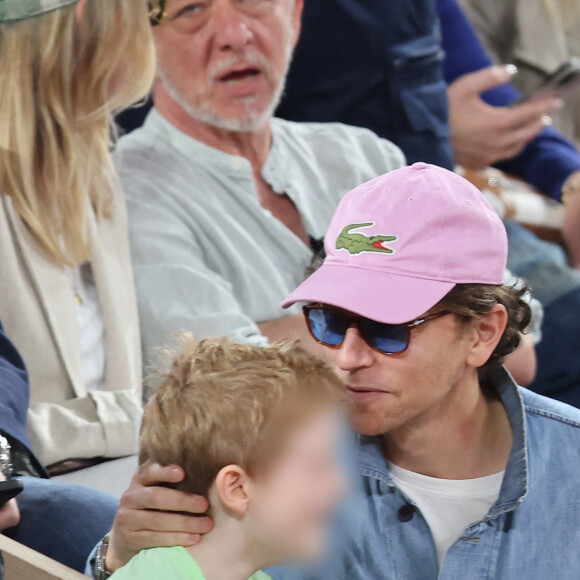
x=174, y=563
x=260, y=576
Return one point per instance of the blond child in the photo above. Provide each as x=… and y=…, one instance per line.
x=255, y=431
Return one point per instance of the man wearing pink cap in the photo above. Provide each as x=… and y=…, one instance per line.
x=464, y=474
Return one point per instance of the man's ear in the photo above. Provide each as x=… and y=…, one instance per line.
x=487, y=333
x=80, y=9
x=232, y=486
x=297, y=21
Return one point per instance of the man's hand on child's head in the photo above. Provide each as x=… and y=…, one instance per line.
x=152, y=516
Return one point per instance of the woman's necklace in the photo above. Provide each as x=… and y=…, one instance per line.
x=74, y=276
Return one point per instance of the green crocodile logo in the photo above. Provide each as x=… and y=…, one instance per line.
x=359, y=243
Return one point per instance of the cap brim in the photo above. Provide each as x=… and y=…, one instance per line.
x=380, y=296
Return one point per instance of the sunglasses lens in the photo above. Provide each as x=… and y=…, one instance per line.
x=388, y=338
x=327, y=326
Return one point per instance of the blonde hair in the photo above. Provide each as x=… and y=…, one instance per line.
x=62, y=82
x=223, y=404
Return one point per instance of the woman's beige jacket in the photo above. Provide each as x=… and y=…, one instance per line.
x=38, y=311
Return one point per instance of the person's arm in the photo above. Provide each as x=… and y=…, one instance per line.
x=14, y=402
x=545, y=160
x=523, y=363
x=571, y=229
x=108, y=421
x=176, y=290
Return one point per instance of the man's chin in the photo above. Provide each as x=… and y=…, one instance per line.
x=246, y=121
x=369, y=423
x=246, y=124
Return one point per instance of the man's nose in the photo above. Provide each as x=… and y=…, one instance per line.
x=230, y=26
x=354, y=352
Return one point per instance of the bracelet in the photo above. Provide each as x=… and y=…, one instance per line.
x=569, y=190
x=99, y=563
x=5, y=458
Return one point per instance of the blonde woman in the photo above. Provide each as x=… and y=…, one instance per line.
x=66, y=290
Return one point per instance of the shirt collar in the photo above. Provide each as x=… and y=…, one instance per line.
x=515, y=483
x=233, y=165
x=197, y=152
x=281, y=171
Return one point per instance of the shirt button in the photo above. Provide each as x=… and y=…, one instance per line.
x=406, y=512
x=237, y=164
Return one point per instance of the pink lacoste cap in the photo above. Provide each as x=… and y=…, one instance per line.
x=399, y=243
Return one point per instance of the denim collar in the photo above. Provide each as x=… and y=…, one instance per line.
x=514, y=488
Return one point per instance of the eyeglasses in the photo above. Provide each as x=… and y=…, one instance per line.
x=195, y=14
x=328, y=326
x=157, y=11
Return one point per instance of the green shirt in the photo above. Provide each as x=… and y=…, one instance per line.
x=166, y=564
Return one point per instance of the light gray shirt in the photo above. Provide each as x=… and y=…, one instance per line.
x=207, y=257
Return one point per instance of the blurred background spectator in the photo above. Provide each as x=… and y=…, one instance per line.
x=537, y=36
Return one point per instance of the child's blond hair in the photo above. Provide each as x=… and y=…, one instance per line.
x=223, y=403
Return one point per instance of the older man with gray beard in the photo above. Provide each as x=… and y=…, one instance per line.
x=224, y=200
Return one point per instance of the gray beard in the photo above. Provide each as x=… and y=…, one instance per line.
x=206, y=114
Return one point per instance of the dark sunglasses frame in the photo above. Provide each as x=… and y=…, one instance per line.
x=354, y=320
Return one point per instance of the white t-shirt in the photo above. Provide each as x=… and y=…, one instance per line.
x=91, y=327
x=448, y=505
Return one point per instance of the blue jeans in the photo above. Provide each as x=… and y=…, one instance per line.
x=63, y=521
x=557, y=286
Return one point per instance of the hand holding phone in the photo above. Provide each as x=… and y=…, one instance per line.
x=562, y=83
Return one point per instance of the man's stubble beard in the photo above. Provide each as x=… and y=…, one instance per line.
x=206, y=114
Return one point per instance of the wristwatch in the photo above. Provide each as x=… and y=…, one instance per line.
x=100, y=561
x=5, y=457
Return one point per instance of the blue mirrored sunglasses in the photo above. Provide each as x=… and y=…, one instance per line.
x=328, y=326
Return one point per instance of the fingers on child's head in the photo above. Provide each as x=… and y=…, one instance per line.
x=153, y=474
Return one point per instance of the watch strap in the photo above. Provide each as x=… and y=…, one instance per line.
x=100, y=561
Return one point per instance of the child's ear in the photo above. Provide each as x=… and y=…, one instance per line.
x=232, y=484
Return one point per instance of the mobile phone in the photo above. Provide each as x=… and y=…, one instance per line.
x=562, y=83
x=9, y=490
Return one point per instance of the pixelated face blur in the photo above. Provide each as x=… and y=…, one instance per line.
x=296, y=497
x=386, y=392
x=224, y=62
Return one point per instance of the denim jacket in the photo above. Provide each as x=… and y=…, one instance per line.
x=531, y=533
